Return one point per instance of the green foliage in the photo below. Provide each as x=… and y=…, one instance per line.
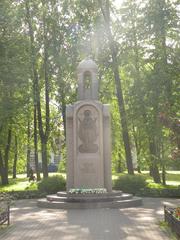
x=165, y=227
x=18, y=184
x=167, y=192
x=14, y=84
x=32, y=186
x=52, y=184
x=62, y=166
x=62, y=163
x=159, y=190
x=147, y=38
x=160, y=186
x=24, y=194
x=20, y=188
x=5, y=197
x=130, y=183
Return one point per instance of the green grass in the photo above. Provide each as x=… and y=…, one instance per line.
x=172, y=179
x=161, y=186
x=165, y=228
x=22, y=183
x=19, y=185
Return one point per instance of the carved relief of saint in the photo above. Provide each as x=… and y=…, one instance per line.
x=88, y=133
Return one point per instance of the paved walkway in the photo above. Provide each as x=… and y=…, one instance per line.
x=28, y=222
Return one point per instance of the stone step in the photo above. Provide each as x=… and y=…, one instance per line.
x=133, y=202
x=87, y=198
x=101, y=195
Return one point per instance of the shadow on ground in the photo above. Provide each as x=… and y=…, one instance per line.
x=30, y=222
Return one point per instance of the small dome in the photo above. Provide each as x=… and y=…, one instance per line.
x=87, y=64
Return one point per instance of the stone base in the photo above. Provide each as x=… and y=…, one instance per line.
x=115, y=199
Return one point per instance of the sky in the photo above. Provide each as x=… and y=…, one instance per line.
x=118, y=2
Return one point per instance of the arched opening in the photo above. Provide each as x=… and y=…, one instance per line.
x=87, y=80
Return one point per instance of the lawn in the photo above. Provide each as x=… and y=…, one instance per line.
x=22, y=183
x=172, y=179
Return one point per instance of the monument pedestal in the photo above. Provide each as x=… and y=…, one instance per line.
x=88, y=143
x=115, y=199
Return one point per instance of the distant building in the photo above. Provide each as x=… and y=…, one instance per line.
x=54, y=158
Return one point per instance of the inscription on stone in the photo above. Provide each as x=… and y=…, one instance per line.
x=87, y=168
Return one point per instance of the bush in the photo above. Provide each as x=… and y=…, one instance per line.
x=52, y=184
x=130, y=183
x=157, y=192
x=62, y=166
x=5, y=197
x=29, y=194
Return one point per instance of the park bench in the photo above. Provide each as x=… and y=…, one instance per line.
x=4, y=213
x=5, y=201
x=172, y=221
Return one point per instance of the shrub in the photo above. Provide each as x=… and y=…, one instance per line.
x=52, y=184
x=5, y=197
x=62, y=166
x=158, y=192
x=29, y=194
x=130, y=183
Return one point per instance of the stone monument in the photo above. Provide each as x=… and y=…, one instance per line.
x=88, y=138
x=88, y=134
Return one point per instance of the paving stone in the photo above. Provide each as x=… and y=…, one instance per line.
x=30, y=222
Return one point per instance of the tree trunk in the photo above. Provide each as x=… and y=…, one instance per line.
x=154, y=167
x=138, y=148
x=44, y=157
x=115, y=68
x=44, y=134
x=28, y=148
x=36, y=146
x=15, y=157
x=155, y=173
x=163, y=175
x=3, y=171
x=64, y=116
x=123, y=122
x=163, y=165
x=139, y=169
x=6, y=155
x=119, y=166
x=4, y=176
x=4, y=162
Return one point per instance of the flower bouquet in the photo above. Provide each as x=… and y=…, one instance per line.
x=87, y=191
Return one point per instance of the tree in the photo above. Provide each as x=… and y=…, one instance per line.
x=14, y=75
x=44, y=133
x=115, y=67
x=15, y=156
